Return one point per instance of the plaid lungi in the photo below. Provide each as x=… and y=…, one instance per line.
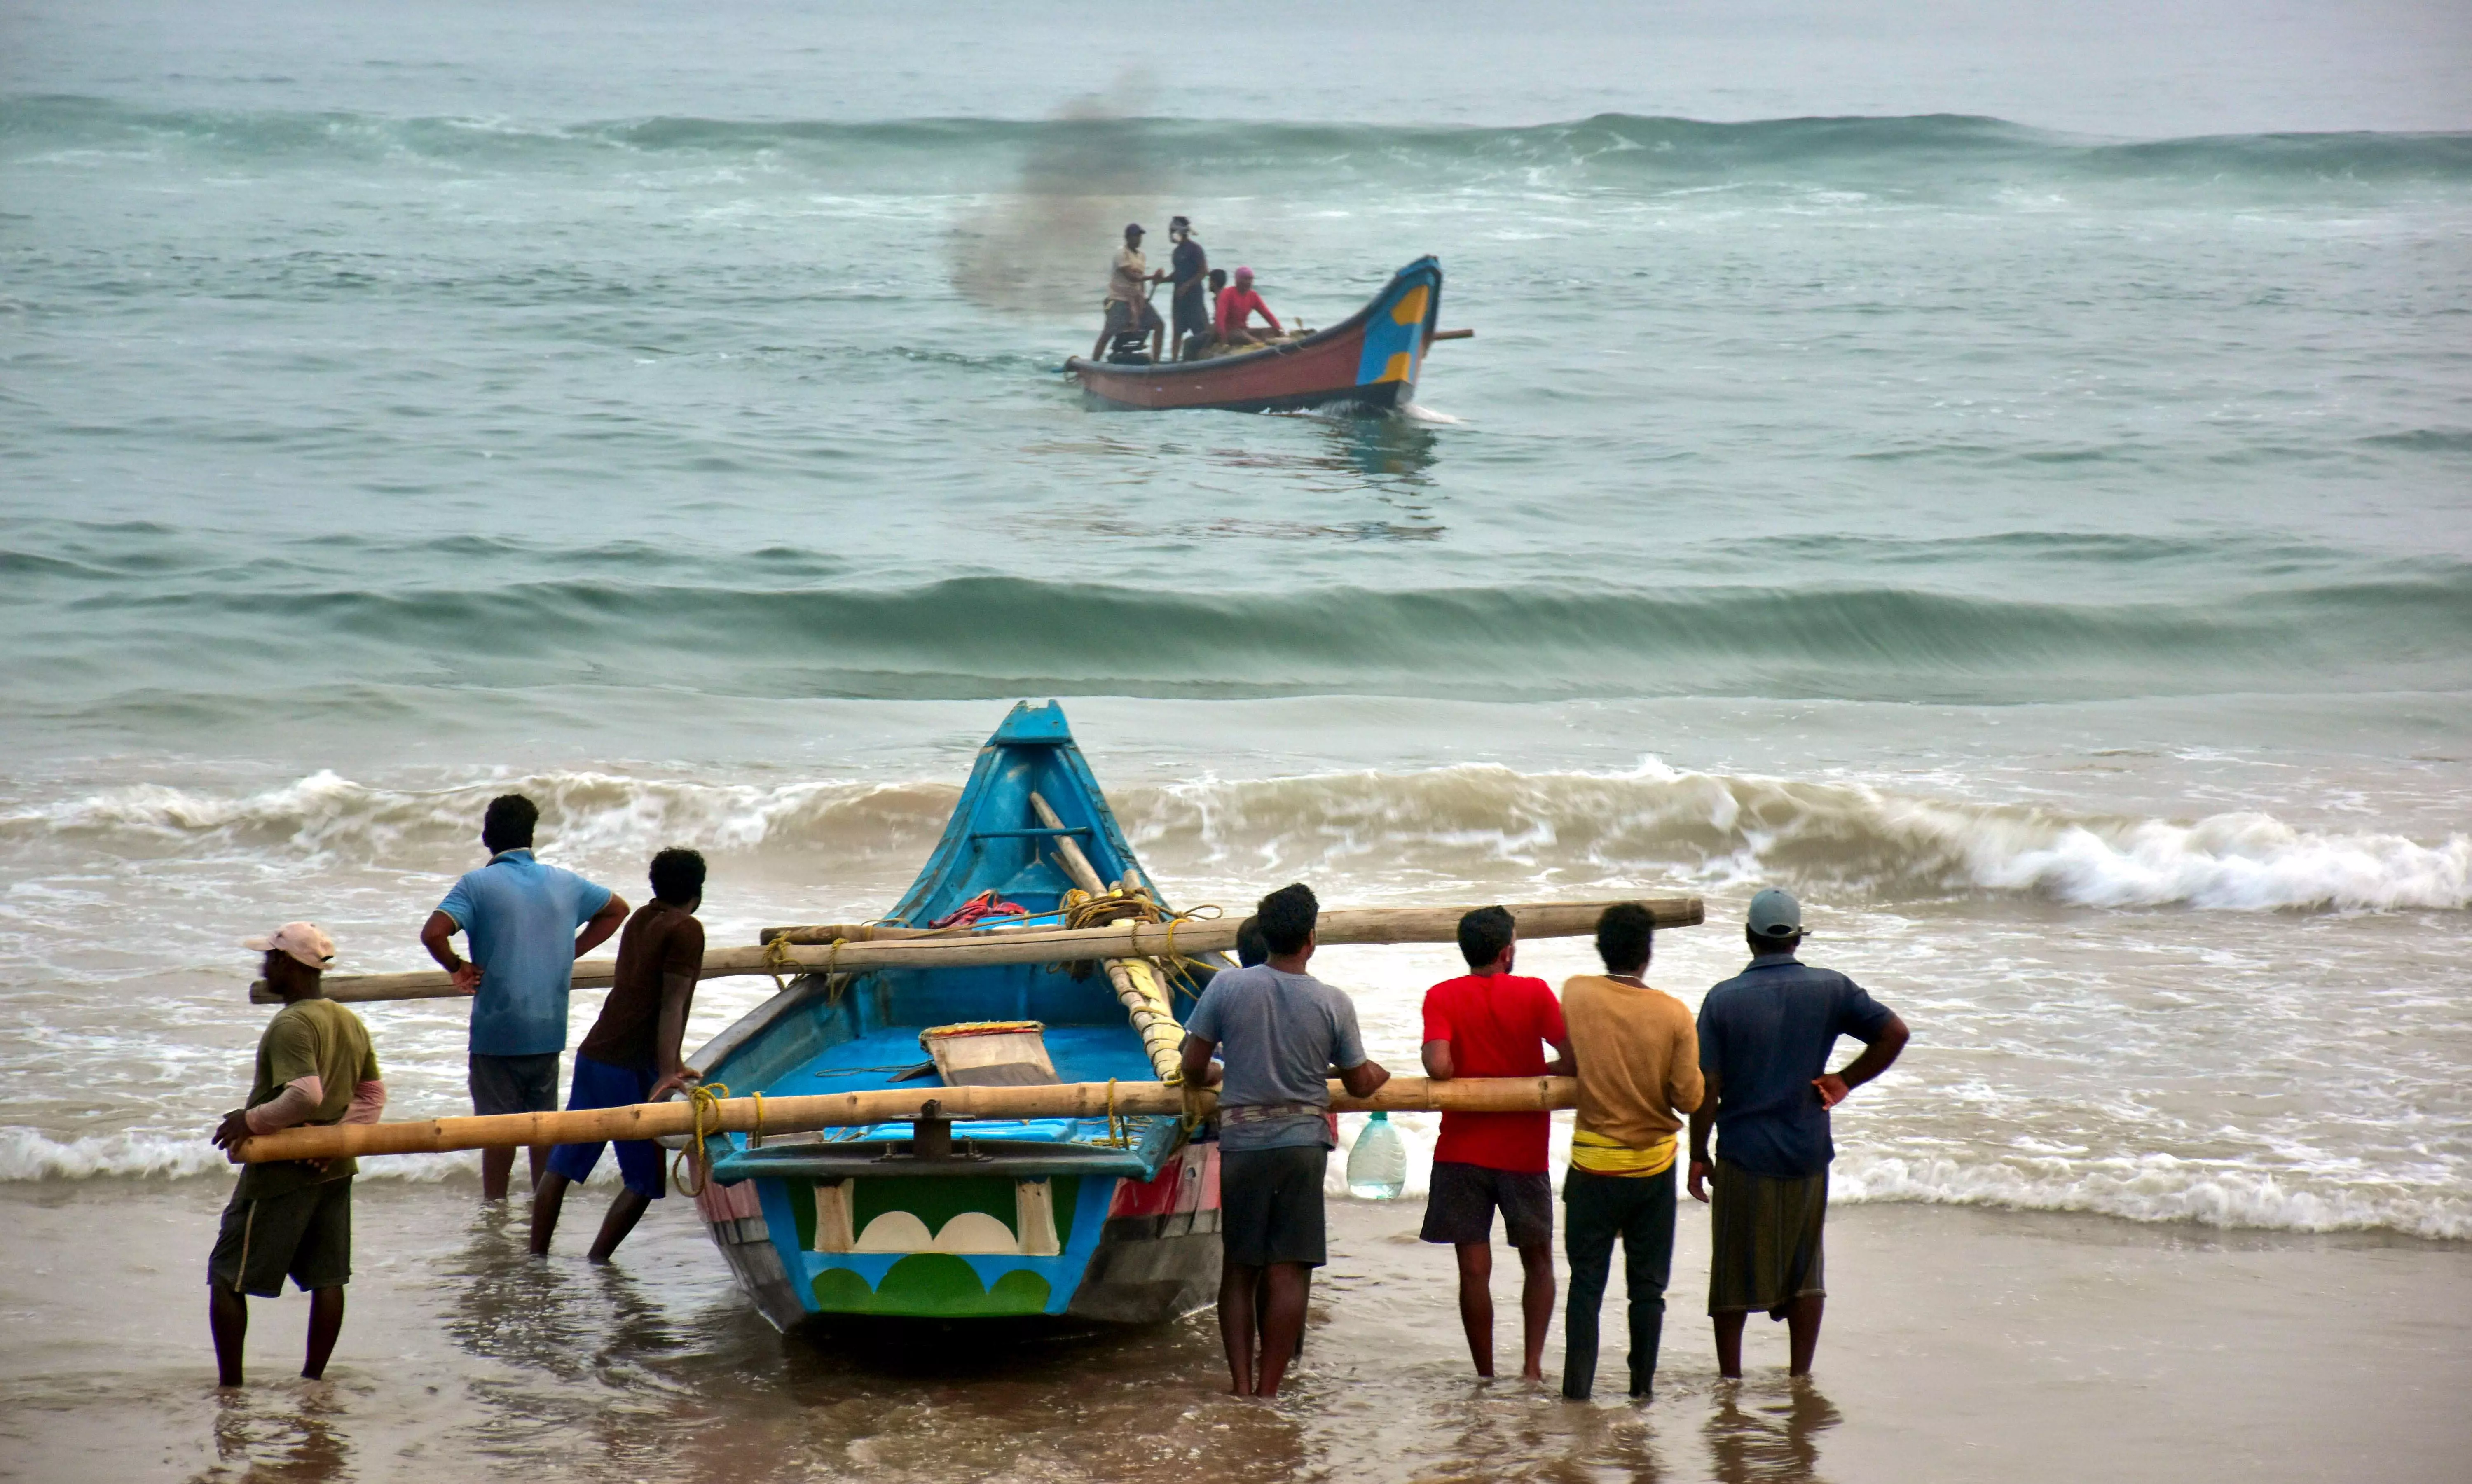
x=1764, y=1240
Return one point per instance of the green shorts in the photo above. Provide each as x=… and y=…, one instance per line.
x=305, y=1235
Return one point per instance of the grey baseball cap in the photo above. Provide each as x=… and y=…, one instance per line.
x=1774, y=914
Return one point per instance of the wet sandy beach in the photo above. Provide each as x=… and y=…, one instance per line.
x=1960, y=1344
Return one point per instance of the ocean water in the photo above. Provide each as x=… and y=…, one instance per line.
x=2017, y=495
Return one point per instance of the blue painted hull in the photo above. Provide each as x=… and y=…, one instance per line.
x=1052, y=1218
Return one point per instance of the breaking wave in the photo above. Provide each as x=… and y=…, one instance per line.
x=2152, y=1186
x=991, y=637
x=1613, y=150
x=1377, y=831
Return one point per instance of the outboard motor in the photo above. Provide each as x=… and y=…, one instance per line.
x=1130, y=348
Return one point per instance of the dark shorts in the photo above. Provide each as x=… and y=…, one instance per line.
x=1764, y=1240
x=1269, y=1206
x=1123, y=316
x=600, y=1085
x=1192, y=312
x=514, y=1084
x=305, y=1235
x=1460, y=1206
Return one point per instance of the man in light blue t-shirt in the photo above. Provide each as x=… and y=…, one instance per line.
x=520, y=917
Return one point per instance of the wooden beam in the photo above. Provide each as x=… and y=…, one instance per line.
x=856, y=1110
x=1058, y=945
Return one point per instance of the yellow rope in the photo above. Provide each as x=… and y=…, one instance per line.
x=755, y=1140
x=778, y=958
x=1118, y=1135
x=706, y=1103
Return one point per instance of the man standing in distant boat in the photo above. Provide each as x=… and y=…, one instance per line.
x=293, y=1217
x=520, y=919
x=1186, y=270
x=1128, y=299
x=1636, y=1055
x=1764, y=1036
x=634, y=1052
x=1492, y=1022
x=1238, y=303
x=1280, y=1032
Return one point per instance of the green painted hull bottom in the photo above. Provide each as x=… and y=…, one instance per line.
x=932, y=1284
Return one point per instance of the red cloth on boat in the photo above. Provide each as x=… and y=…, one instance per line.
x=1236, y=304
x=984, y=904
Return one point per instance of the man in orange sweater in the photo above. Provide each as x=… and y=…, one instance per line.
x=1636, y=1055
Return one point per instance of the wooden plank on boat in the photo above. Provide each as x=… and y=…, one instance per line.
x=858, y=1110
x=786, y=955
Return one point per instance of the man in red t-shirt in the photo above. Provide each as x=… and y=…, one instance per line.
x=1490, y=1022
x=1238, y=304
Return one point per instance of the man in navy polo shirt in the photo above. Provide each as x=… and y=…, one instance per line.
x=520, y=917
x=1765, y=1038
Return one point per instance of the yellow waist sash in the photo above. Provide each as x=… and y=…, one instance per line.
x=1599, y=1155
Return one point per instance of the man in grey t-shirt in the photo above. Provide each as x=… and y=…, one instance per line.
x=1280, y=1032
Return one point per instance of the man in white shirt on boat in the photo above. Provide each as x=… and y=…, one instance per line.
x=1128, y=299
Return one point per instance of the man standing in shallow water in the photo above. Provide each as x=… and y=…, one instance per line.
x=1492, y=1022
x=1764, y=1036
x=520, y=917
x=293, y=1217
x=1637, y=1060
x=1282, y=1031
x=632, y=1054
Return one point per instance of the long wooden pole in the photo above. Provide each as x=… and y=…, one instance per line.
x=1137, y=983
x=849, y=1109
x=1119, y=940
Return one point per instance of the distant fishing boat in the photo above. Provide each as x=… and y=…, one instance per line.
x=1112, y=1221
x=1369, y=360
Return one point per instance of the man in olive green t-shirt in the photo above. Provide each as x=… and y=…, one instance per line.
x=292, y=1217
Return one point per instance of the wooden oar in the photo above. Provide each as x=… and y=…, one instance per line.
x=850, y=1110
x=787, y=954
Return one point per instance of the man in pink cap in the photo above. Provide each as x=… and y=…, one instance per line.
x=293, y=1217
x=1239, y=303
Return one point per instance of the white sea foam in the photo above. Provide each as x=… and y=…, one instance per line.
x=1850, y=838
x=2157, y=1187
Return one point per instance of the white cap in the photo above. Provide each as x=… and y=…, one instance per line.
x=305, y=942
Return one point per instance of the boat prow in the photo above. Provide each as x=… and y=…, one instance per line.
x=1368, y=361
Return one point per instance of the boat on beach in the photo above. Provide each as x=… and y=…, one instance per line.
x=1368, y=361
x=1108, y=1219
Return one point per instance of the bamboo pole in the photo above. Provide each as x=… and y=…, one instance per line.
x=1138, y=984
x=1118, y=940
x=1337, y=927
x=853, y=1110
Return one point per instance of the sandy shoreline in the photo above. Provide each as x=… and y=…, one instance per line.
x=1960, y=1344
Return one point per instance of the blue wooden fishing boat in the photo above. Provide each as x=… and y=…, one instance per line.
x=1110, y=1220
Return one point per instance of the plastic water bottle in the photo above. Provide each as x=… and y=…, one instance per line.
x=1377, y=1162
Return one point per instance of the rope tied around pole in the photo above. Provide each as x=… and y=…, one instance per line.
x=706, y=1100
x=777, y=958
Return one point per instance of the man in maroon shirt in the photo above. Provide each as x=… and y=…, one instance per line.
x=1490, y=1022
x=632, y=1054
